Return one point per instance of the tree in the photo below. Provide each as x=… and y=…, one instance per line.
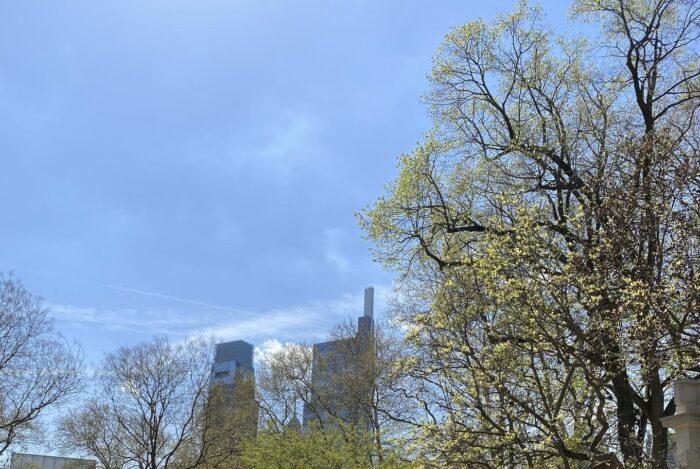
x=152, y=409
x=91, y=430
x=37, y=368
x=284, y=384
x=370, y=381
x=231, y=419
x=358, y=395
x=313, y=449
x=547, y=235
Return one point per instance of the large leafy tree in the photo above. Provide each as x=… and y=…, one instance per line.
x=547, y=232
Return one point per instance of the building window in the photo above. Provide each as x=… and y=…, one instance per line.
x=220, y=374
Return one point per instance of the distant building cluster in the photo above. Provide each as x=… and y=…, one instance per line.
x=335, y=368
x=335, y=363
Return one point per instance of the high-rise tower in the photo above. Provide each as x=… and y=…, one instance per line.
x=342, y=373
x=232, y=358
x=234, y=410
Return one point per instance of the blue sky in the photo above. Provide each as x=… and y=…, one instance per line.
x=184, y=167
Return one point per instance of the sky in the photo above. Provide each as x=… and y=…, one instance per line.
x=186, y=167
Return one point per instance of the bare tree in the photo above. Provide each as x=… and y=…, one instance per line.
x=37, y=368
x=284, y=385
x=152, y=410
x=91, y=430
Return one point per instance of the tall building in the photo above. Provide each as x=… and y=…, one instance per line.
x=342, y=377
x=232, y=358
x=232, y=390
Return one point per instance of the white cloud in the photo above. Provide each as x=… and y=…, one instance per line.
x=265, y=324
x=150, y=321
x=266, y=348
x=308, y=322
x=269, y=347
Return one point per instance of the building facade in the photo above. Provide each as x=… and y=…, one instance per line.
x=37, y=461
x=342, y=374
x=234, y=410
x=232, y=358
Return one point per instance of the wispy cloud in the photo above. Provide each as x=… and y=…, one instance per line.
x=333, y=239
x=310, y=320
x=290, y=142
x=144, y=321
x=152, y=294
x=306, y=322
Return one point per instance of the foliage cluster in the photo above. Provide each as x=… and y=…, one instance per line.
x=316, y=449
x=547, y=233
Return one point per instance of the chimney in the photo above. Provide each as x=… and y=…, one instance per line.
x=369, y=302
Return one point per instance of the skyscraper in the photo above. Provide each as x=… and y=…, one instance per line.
x=342, y=377
x=232, y=358
x=232, y=391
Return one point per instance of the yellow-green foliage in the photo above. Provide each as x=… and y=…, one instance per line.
x=546, y=235
x=315, y=449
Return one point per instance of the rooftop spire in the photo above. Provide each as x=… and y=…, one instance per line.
x=369, y=302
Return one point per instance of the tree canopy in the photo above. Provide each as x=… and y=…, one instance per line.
x=546, y=233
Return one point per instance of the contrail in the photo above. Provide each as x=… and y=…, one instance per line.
x=174, y=298
x=138, y=292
